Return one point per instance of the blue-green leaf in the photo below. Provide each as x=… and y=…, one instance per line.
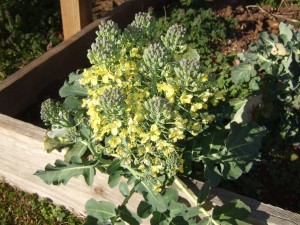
x=205, y=189
x=78, y=149
x=144, y=209
x=114, y=179
x=103, y=211
x=123, y=187
x=242, y=73
x=155, y=199
x=286, y=32
x=62, y=172
x=114, y=166
x=127, y=216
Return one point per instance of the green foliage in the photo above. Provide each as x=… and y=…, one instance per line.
x=206, y=33
x=26, y=29
x=18, y=207
x=146, y=111
x=270, y=69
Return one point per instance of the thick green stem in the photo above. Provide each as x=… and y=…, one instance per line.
x=192, y=198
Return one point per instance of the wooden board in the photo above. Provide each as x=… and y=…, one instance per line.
x=45, y=75
x=22, y=154
x=75, y=14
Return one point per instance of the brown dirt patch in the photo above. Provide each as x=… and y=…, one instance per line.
x=252, y=20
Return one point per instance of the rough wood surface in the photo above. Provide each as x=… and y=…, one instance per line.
x=75, y=14
x=22, y=154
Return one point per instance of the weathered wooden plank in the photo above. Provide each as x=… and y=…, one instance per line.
x=22, y=154
x=45, y=75
x=76, y=14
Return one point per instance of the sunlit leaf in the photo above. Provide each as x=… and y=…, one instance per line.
x=101, y=210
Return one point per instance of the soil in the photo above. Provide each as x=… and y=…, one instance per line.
x=253, y=19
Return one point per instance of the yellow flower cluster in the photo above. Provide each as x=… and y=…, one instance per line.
x=142, y=120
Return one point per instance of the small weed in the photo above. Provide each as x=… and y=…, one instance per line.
x=18, y=207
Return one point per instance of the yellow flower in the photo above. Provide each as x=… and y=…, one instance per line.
x=114, y=141
x=105, y=79
x=156, y=169
x=196, y=106
x=205, y=95
x=185, y=99
x=135, y=53
x=204, y=77
x=154, y=132
x=175, y=134
x=196, y=128
x=207, y=119
x=114, y=127
x=168, y=89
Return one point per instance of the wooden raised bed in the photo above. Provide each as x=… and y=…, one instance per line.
x=21, y=144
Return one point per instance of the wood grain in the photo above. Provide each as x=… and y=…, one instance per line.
x=76, y=14
x=22, y=154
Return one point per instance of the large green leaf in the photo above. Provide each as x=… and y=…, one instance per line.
x=244, y=140
x=72, y=87
x=205, y=189
x=78, y=149
x=128, y=216
x=177, y=209
x=144, y=209
x=286, y=32
x=101, y=210
x=123, y=187
x=242, y=73
x=159, y=219
x=62, y=172
x=157, y=201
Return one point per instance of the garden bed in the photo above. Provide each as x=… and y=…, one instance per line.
x=41, y=79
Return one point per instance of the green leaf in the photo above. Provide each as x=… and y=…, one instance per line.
x=127, y=216
x=235, y=210
x=171, y=194
x=91, y=220
x=123, y=187
x=211, y=173
x=78, y=149
x=159, y=219
x=54, y=143
x=72, y=102
x=72, y=87
x=245, y=139
x=144, y=209
x=103, y=211
x=191, y=54
x=254, y=83
x=206, y=221
x=286, y=32
x=114, y=179
x=242, y=73
x=232, y=170
x=192, y=212
x=179, y=220
x=205, y=189
x=155, y=199
x=177, y=208
x=114, y=166
x=62, y=172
